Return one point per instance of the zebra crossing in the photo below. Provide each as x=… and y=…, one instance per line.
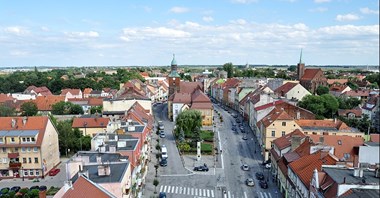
x=200, y=192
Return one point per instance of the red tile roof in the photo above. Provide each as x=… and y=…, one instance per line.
x=356, y=93
x=85, y=188
x=72, y=91
x=87, y=91
x=305, y=166
x=345, y=112
x=275, y=114
x=375, y=138
x=309, y=74
x=285, y=88
x=95, y=101
x=340, y=81
x=90, y=122
x=5, y=97
x=339, y=125
x=182, y=98
x=338, y=88
x=268, y=105
x=285, y=141
x=45, y=103
x=199, y=96
x=32, y=123
x=201, y=106
x=190, y=87
x=44, y=91
x=341, y=144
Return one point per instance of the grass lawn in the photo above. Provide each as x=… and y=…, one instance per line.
x=207, y=136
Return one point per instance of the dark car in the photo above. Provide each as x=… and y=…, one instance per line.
x=164, y=162
x=234, y=128
x=162, y=134
x=42, y=188
x=54, y=171
x=15, y=188
x=260, y=176
x=162, y=195
x=263, y=184
x=201, y=168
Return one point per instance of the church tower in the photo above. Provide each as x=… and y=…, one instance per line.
x=300, y=68
x=173, y=78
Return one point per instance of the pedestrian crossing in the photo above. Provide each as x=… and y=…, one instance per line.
x=198, y=192
x=201, y=192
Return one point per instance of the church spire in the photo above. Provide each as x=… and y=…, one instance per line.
x=301, y=56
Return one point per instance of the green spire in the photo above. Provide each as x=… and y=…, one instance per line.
x=174, y=62
x=301, y=56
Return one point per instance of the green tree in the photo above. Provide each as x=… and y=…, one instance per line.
x=348, y=103
x=6, y=111
x=96, y=109
x=155, y=184
x=228, y=67
x=190, y=122
x=331, y=105
x=29, y=109
x=352, y=85
x=76, y=109
x=322, y=90
x=292, y=68
x=325, y=106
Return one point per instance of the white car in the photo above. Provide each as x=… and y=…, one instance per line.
x=267, y=166
x=245, y=167
x=250, y=182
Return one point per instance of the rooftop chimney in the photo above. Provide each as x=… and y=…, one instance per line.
x=98, y=159
x=104, y=170
x=321, y=139
x=295, y=142
x=14, y=122
x=24, y=119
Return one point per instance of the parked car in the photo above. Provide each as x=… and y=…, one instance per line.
x=162, y=134
x=263, y=184
x=164, y=162
x=245, y=167
x=245, y=137
x=162, y=195
x=267, y=166
x=15, y=188
x=250, y=182
x=201, y=168
x=260, y=176
x=54, y=171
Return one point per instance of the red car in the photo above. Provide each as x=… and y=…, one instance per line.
x=54, y=171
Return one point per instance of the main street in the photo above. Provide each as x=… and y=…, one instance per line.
x=225, y=179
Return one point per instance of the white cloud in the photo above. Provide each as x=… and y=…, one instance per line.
x=179, y=9
x=321, y=1
x=90, y=34
x=45, y=29
x=319, y=9
x=369, y=11
x=347, y=17
x=207, y=19
x=244, y=1
x=19, y=31
x=18, y=53
x=130, y=34
x=239, y=22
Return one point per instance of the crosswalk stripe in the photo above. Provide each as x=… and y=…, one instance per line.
x=200, y=192
x=204, y=192
x=265, y=195
x=161, y=187
x=188, y=191
x=229, y=194
x=176, y=189
x=173, y=189
x=245, y=195
x=196, y=192
x=270, y=195
x=192, y=191
x=261, y=194
x=208, y=193
x=212, y=193
x=168, y=189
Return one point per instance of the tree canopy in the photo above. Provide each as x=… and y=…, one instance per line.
x=322, y=90
x=229, y=68
x=6, y=111
x=29, y=109
x=324, y=106
x=71, y=140
x=66, y=108
x=188, y=124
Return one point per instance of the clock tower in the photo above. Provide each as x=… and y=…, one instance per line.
x=173, y=78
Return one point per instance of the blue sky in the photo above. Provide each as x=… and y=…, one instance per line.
x=200, y=32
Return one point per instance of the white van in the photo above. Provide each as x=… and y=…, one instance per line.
x=164, y=152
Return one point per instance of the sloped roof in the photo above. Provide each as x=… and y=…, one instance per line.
x=72, y=91
x=344, y=112
x=356, y=93
x=340, y=81
x=285, y=141
x=5, y=97
x=285, y=88
x=310, y=74
x=190, y=87
x=87, y=90
x=323, y=124
x=275, y=114
x=341, y=144
x=90, y=122
x=199, y=96
x=201, y=106
x=95, y=101
x=84, y=187
x=305, y=166
x=45, y=103
x=338, y=88
x=271, y=104
x=38, y=123
x=182, y=98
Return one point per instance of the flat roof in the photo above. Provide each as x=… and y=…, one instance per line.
x=340, y=174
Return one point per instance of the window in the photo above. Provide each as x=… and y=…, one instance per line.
x=273, y=133
x=5, y=160
x=36, y=160
x=283, y=123
x=28, y=139
x=283, y=133
x=24, y=160
x=305, y=133
x=29, y=149
x=334, y=133
x=4, y=150
x=347, y=155
x=12, y=139
x=37, y=172
x=35, y=149
x=33, y=139
x=16, y=149
x=23, y=149
x=314, y=133
x=1, y=140
x=26, y=173
x=30, y=160
x=24, y=139
x=31, y=172
x=340, y=142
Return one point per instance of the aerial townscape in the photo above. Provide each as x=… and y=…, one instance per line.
x=170, y=116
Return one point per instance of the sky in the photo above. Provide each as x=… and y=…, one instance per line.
x=198, y=32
